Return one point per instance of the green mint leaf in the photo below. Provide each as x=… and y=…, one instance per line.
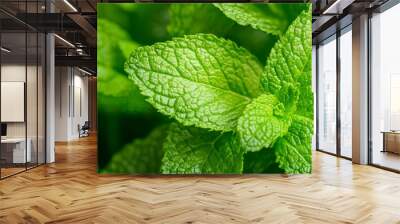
x=263, y=161
x=197, y=18
x=140, y=156
x=190, y=150
x=262, y=123
x=288, y=67
x=199, y=80
x=269, y=18
x=293, y=151
x=305, y=105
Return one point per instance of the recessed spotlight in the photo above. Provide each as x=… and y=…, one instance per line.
x=70, y=5
x=84, y=71
x=64, y=40
x=5, y=50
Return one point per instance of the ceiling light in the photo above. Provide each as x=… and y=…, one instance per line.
x=337, y=7
x=5, y=50
x=84, y=71
x=80, y=51
x=65, y=41
x=331, y=7
x=70, y=5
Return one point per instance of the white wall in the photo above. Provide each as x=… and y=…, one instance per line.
x=80, y=102
x=13, y=101
x=71, y=94
x=12, y=73
x=33, y=127
x=62, y=81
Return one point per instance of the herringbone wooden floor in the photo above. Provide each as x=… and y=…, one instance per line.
x=70, y=191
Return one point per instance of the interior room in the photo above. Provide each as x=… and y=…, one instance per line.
x=385, y=87
x=72, y=104
x=51, y=127
x=22, y=100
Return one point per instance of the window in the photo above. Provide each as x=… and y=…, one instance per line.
x=327, y=95
x=385, y=89
x=346, y=93
x=22, y=78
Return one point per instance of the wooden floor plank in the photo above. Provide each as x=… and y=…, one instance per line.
x=70, y=191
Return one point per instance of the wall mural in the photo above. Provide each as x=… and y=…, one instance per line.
x=204, y=88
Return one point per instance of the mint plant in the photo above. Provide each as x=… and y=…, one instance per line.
x=230, y=113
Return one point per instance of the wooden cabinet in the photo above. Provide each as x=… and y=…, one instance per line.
x=391, y=142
